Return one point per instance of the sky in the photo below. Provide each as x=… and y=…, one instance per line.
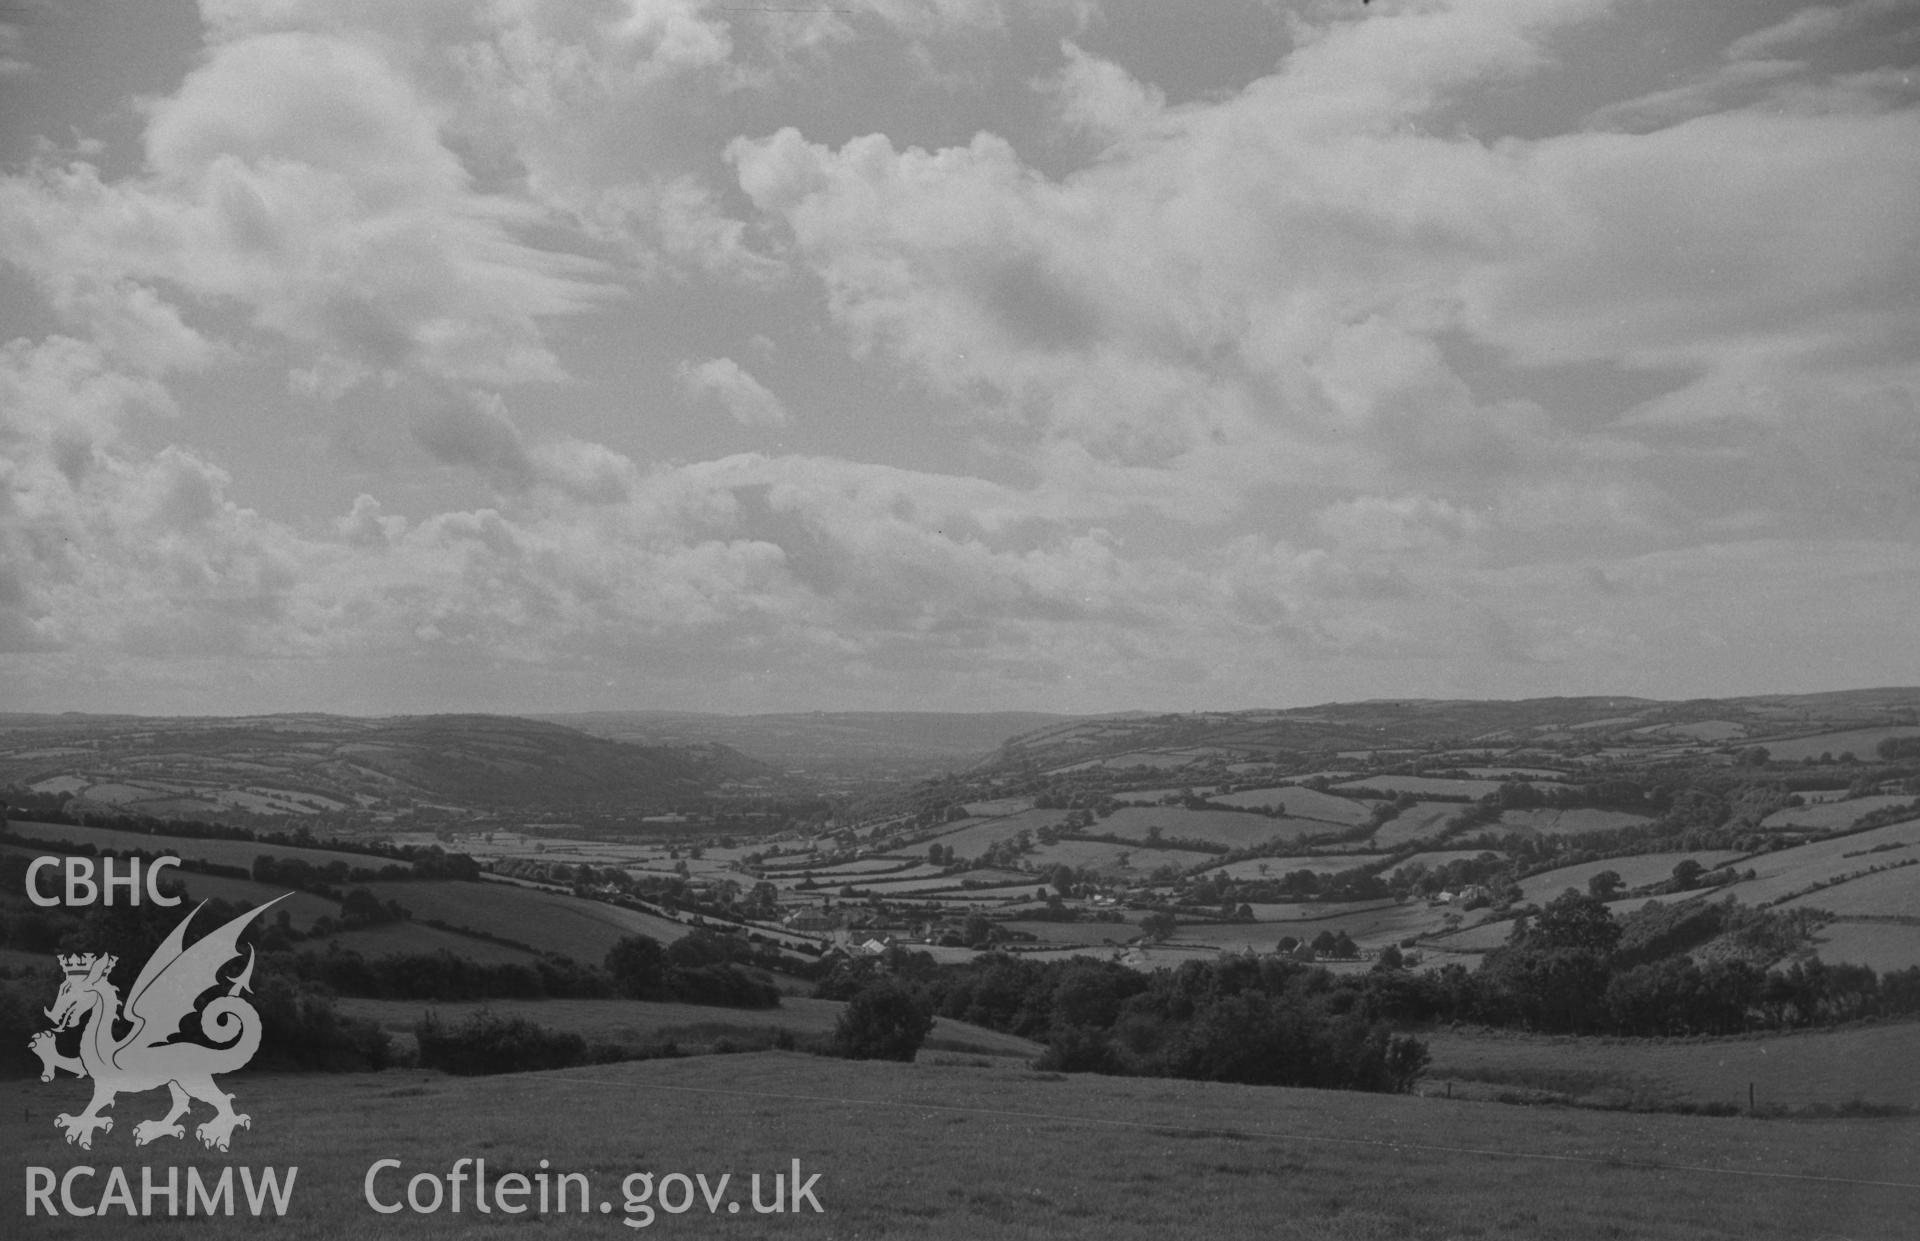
x=1063, y=355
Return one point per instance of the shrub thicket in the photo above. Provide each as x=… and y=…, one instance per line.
x=883, y=1021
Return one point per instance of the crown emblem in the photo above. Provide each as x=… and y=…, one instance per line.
x=81, y=964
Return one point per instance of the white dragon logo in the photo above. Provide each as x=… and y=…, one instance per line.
x=148, y=1056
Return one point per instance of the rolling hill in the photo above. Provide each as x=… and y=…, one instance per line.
x=873, y=744
x=320, y=765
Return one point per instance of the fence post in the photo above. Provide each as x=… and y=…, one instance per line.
x=1749, y=1098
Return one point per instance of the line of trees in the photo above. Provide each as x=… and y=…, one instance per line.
x=1263, y=1021
x=1573, y=969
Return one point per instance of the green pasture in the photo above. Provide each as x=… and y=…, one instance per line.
x=1893, y=893
x=544, y=921
x=1828, y=816
x=1636, y=871
x=1783, y=873
x=1878, y=945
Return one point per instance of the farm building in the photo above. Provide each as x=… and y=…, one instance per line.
x=813, y=920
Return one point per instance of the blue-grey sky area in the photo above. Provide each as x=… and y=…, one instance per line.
x=954, y=354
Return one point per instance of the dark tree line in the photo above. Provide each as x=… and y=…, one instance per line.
x=1264, y=1021
x=1573, y=969
x=701, y=968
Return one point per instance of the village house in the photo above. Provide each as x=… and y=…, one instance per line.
x=813, y=921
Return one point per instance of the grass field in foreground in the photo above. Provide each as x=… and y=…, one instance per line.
x=950, y=1151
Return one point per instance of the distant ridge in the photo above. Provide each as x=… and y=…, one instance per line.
x=849, y=744
x=311, y=764
x=1414, y=723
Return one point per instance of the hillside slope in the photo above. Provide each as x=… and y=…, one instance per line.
x=826, y=743
x=308, y=765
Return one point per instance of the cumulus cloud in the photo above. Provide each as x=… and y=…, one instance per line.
x=1301, y=232
x=1099, y=98
x=724, y=382
x=300, y=177
x=1633, y=269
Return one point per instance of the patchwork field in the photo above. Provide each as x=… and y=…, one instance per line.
x=546, y=921
x=1788, y=871
x=975, y=837
x=1440, y=857
x=891, y=869
x=1275, y=867
x=1483, y=937
x=1549, y=822
x=1302, y=803
x=994, y=807
x=952, y=1150
x=1224, y=827
x=1828, y=816
x=1077, y=932
x=415, y=939
x=1011, y=891
x=1633, y=871
x=1892, y=893
x=1370, y=926
x=1417, y=823
x=1698, y=730
x=171, y=798
x=1296, y=911
x=1860, y=743
x=909, y=887
x=863, y=867
x=1158, y=760
x=1881, y=946
x=1104, y=857
x=1423, y=786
